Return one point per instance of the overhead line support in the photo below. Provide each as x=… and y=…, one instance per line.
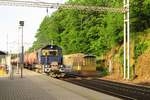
x=59, y=5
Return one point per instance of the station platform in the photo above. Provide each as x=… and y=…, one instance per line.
x=35, y=86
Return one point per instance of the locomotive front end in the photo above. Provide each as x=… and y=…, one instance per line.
x=52, y=61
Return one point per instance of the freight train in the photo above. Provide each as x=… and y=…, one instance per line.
x=50, y=60
x=47, y=60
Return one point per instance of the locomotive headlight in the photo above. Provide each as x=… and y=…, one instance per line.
x=46, y=66
x=61, y=69
x=61, y=66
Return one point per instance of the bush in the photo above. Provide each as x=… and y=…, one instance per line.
x=140, y=48
x=103, y=70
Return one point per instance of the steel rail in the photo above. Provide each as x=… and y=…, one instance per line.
x=94, y=87
x=120, y=90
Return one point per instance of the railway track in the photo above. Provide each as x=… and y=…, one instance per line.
x=123, y=91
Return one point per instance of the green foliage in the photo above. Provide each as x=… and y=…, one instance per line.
x=140, y=14
x=121, y=55
x=90, y=32
x=80, y=31
x=140, y=48
x=103, y=71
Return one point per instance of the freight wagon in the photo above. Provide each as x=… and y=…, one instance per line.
x=81, y=64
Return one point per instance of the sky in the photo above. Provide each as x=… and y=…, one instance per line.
x=10, y=33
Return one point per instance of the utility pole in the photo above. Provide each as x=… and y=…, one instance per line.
x=126, y=40
x=7, y=42
x=18, y=51
x=124, y=69
x=22, y=48
x=47, y=11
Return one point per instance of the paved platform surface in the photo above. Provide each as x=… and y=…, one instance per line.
x=34, y=86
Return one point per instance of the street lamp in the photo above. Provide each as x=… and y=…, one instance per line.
x=21, y=23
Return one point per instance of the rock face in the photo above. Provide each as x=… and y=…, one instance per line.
x=140, y=69
x=116, y=66
x=143, y=67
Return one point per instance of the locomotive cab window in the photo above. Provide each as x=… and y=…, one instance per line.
x=45, y=52
x=53, y=53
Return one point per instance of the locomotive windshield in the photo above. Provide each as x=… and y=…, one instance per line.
x=50, y=52
x=53, y=53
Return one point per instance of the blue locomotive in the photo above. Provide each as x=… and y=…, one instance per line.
x=48, y=59
x=51, y=59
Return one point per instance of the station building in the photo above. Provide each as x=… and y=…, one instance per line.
x=3, y=63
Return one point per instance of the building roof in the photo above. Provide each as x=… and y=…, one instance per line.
x=89, y=55
x=53, y=47
x=2, y=53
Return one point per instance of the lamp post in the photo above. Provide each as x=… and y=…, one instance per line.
x=18, y=53
x=21, y=23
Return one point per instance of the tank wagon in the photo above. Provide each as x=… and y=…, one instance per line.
x=31, y=60
x=47, y=60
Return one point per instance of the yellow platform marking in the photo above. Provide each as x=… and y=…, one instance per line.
x=2, y=72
